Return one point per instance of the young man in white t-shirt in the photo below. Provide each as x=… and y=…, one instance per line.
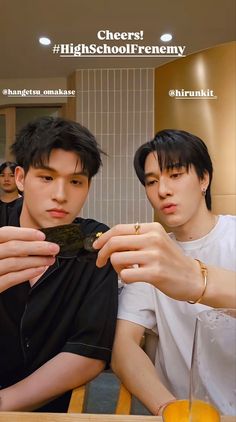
x=187, y=269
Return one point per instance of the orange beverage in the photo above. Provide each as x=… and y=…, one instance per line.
x=179, y=411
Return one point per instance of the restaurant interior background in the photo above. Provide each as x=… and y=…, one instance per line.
x=124, y=101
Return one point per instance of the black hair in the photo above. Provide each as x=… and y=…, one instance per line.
x=176, y=148
x=8, y=164
x=38, y=138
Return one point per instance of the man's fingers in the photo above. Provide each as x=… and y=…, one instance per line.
x=133, y=260
x=134, y=274
x=125, y=230
x=119, y=230
x=10, y=265
x=129, y=258
x=18, y=233
x=24, y=254
x=122, y=243
x=25, y=248
x=18, y=277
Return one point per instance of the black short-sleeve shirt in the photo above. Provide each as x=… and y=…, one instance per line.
x=5, y=210
x=71, y=308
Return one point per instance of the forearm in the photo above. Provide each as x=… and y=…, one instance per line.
x=221, y=288
x=136, y=371
x=62, y=373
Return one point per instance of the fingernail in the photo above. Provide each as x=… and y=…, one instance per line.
x=40, y=269
x=97, y=264
x=51, y=260
x=54, y=249
x=100, y=263
x=95, y=243
x=40, y=235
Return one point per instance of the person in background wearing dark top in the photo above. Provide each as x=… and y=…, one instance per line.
x=8, y=189
x=57, y=313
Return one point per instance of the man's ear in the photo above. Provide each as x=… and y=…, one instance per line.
x=20, y=178
x=205, y=181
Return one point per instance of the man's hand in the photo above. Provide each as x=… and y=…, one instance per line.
x=24, y=254
x=150, y=256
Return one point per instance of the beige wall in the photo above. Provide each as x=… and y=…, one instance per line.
x=117, y=106
x=213, y=120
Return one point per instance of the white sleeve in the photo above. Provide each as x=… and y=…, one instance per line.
x=136, y=304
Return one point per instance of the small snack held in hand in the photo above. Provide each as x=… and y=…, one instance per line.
x=72, y=240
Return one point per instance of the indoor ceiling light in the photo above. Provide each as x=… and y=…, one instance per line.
x=44, y=41
x=166, y=37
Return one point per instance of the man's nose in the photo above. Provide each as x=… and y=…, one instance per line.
x=59, y=192
x=164, y=188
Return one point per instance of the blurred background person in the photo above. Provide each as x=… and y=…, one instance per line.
x=8, y=190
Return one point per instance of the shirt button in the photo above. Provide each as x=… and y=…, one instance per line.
x=27, y=343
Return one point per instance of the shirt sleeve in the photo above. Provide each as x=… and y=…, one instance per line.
x=94, y=326
x=136, y=304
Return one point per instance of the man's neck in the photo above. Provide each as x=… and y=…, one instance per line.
x=25, y=219
x=197, y=228
x=9, y=196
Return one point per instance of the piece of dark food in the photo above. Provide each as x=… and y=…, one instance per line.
x=72, y=240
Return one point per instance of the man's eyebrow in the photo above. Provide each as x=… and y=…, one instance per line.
x=150, y=174
x=80, y=173
x=45, y=167
x=169, y=167
x=175, y=165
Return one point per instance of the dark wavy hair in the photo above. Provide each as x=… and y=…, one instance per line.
x=39, y=137
x=176, y=148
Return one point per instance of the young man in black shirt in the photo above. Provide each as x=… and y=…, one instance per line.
x=57, y=313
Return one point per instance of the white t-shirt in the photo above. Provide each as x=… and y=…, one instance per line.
x=172, y=320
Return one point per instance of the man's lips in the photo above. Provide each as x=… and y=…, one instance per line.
x=168, y=208
x=57, y=212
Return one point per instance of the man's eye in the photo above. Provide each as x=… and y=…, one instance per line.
x=151, y=182
x=175, y=175
x=46, y=178
x=76, y=182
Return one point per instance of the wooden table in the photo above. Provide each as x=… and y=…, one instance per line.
x=82, y=417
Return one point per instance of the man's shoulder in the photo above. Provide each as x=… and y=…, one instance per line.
x=227, y=219
x=90, y=225
x=226, y=226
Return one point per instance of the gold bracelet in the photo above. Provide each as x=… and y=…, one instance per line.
x=204, y=273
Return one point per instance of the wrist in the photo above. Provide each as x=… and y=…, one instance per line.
x=162, y=406
x=203, y=278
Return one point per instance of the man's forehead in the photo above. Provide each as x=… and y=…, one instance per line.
x=69, y=158
x=163, y=161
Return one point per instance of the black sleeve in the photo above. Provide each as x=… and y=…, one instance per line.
x=3, y=214
x=94, y=325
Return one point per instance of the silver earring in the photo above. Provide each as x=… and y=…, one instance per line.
x=203, y=191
